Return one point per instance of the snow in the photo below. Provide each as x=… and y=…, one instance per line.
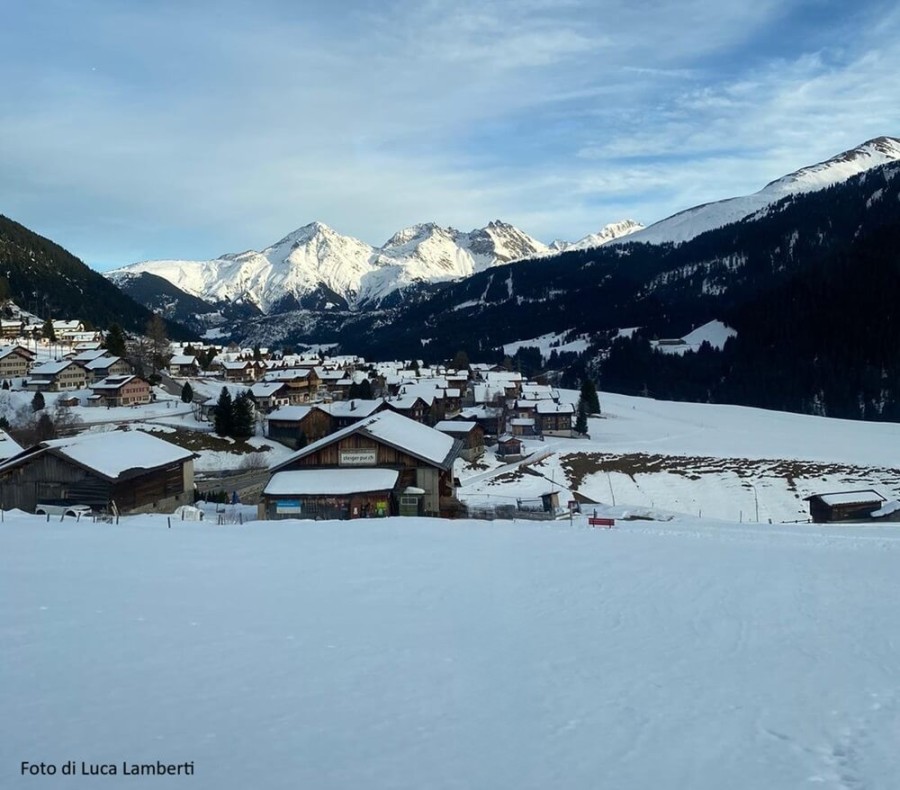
x=549, y=343
x=414, y=653
x=317, y=255
x=726, y=462
x=714, y=332
x=331, y=481
x=887, y=509
x=851, y=497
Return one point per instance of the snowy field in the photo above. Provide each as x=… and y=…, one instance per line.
x=413, y=653
x=726, y=462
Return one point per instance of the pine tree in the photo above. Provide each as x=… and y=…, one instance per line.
x=589, y=396
x=223, y=414
x=48, y=332
x=187, y=393
x=581, y=422
x=115, y=341
x=37, y=402
x=242, y=417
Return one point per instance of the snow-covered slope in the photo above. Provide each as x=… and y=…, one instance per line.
x=691, y=223
x=411, y=653
x=316, y=255
x=606, y=234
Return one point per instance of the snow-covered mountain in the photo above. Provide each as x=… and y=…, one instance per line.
x=606, y=234
x=317, y=256
x=688, y=224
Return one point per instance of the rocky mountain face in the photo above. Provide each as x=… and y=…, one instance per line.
x=315, y=267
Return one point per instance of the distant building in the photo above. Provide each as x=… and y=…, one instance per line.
x=14, y=363
x=57, y=377
x=471, y=434
x=844, y=506
x=120, y=391
x=554, y=419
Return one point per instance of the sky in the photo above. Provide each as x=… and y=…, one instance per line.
x=135, y=131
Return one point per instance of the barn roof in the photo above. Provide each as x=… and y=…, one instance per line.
x=864, y=496
x=115, y=455
x=394, y=430
x=331, y=481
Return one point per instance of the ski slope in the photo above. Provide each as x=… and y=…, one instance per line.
x=415, y=653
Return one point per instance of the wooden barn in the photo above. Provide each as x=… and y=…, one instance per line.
x=297, y=426
x=470, y=433
x=136, y=471
x=844, y=506
x=385, y=464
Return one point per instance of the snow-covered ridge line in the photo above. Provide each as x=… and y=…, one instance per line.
x=686, y=225
x=317, y=256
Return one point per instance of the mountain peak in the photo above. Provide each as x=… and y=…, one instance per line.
x=872, y=153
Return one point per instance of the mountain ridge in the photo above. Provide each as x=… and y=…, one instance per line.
x=315, y=258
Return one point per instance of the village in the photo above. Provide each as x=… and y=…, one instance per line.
x=324, y=436
x=368, y=439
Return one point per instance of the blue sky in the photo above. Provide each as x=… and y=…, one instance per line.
x=165, y=129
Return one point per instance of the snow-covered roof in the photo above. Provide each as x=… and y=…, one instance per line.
x=112, y=382
x=330, y=481
x=397, y=431
x=265, y=389
x=51, y=368
x=288, y=374
x=851, y=497
x=406, y=402
x=114, y=455
x=8, y=446
x=551, y=407
x=89, y=355
x=455, y=426
x=101, y=363
x=5, y=352
x=183, y=359
x=356, y=407
x=291, y=413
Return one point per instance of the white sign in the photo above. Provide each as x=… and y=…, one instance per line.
x=363, y=457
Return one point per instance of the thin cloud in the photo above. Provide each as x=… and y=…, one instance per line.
x=172, y=131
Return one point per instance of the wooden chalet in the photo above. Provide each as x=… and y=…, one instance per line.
x=413, y=407
x=57, y=377
x=554, y=419
x=385, y=464
x=13, y=327
x=297, y=426
x=470, y=433
x=14, y=363
x=509, y=448
x=120, y=391
x=106, y=366
x=302, y=383
x=345, y=413
x=269, y=395
x=138, y=472
x=184, y=365
x=844, y=506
